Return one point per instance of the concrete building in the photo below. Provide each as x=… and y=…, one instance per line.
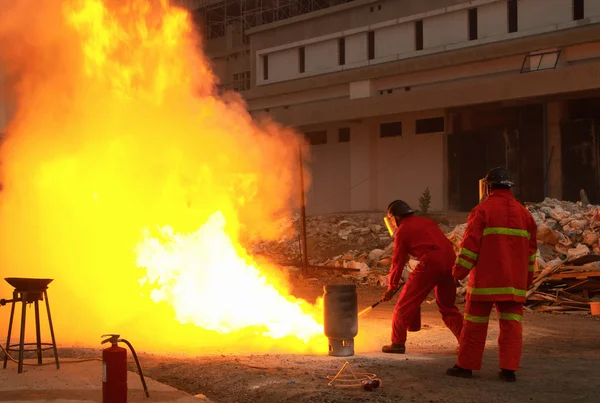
x=399, y=95
x=224, y=23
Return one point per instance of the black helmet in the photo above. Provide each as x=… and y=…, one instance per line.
x=398, y=208
x=499, y=176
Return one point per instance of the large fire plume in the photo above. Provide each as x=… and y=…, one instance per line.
x=128, y=180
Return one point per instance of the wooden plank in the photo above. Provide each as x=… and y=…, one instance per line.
x=548, y=270
x=580, y=275
x=575, y=297
x=585, y=259
x=576, y=285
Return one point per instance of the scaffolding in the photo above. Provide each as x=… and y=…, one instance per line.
x=215, y=16
x=231, y=19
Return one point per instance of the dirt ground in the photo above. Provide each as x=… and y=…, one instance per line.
x=560, y=364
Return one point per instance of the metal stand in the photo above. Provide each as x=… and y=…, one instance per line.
x=341, y=347
x=39, y=346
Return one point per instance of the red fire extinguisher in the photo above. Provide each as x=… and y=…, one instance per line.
x=114, y=370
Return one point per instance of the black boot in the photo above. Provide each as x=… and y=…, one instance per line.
x=394, y=349
x=459, y=372
x=508, y=375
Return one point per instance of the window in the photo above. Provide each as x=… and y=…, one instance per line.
x=419, y=35
x=430, y=125
x=301, y=59
x=578, y=13
x=371, y=45
x=536, y=61
x=392, y=129
x=342, y=51
x=317, y=138
x=513, y=16
x=472, y=24
x=344, y=135
x=265, y=67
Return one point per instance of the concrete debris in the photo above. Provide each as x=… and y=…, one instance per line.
x=376, y=254
x=361, y=248
x=327, y=236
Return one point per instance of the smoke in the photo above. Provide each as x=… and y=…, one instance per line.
x=118, y=129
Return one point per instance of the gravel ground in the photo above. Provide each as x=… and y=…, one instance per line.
x=560, y=364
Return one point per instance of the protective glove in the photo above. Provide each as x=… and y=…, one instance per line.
x=388, y=295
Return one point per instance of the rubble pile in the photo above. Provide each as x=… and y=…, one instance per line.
x=565, y=226
x=566, y=286
x=327, y=236
x=566, y=278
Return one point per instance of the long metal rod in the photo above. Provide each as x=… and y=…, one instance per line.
x=545, y=146
x=303, y=214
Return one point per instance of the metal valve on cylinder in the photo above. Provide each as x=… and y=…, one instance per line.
x=341, y=318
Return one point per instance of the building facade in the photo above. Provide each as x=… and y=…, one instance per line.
x=396, y=96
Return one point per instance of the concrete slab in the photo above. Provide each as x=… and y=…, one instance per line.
x=77, y=382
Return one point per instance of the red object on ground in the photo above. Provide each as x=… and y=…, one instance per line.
x=423, y=239
x=114, y=375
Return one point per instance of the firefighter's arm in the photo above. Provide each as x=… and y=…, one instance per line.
x=470, y=245
x=532, y=229
x=399, y=260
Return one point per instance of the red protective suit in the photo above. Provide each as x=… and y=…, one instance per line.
x=498, y=253
x=423, y=239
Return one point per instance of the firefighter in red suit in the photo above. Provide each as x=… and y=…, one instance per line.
x=422, y=238
x=498, y=253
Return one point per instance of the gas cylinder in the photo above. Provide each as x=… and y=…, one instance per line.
x=340, y=318
x=114, y=371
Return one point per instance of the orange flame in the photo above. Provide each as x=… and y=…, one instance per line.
x=122, y=166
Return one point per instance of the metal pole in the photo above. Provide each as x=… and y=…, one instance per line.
x=303, y=215
x=545, y=146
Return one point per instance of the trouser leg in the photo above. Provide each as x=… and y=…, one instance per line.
x=445, y=298
x=407, y=313
x=510, y=340
x=473, y=335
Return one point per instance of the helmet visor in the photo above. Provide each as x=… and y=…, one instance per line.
x=390, y=224
x=484, y=189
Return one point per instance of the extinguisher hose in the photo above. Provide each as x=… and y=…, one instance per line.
x=139, y=367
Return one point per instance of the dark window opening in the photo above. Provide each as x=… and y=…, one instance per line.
x=392, y=129
x=419, y=35
x=379, y=7
x=265, y=67
x=301, y=59
x=472, y=24
x=578, y=10
x=430, y=125
x=371, y=45
x=317, y=138
x=344, y=135
x=342, y=51
x=513, y=16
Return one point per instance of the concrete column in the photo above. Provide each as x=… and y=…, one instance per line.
x=556, y=112
x=362, y=178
